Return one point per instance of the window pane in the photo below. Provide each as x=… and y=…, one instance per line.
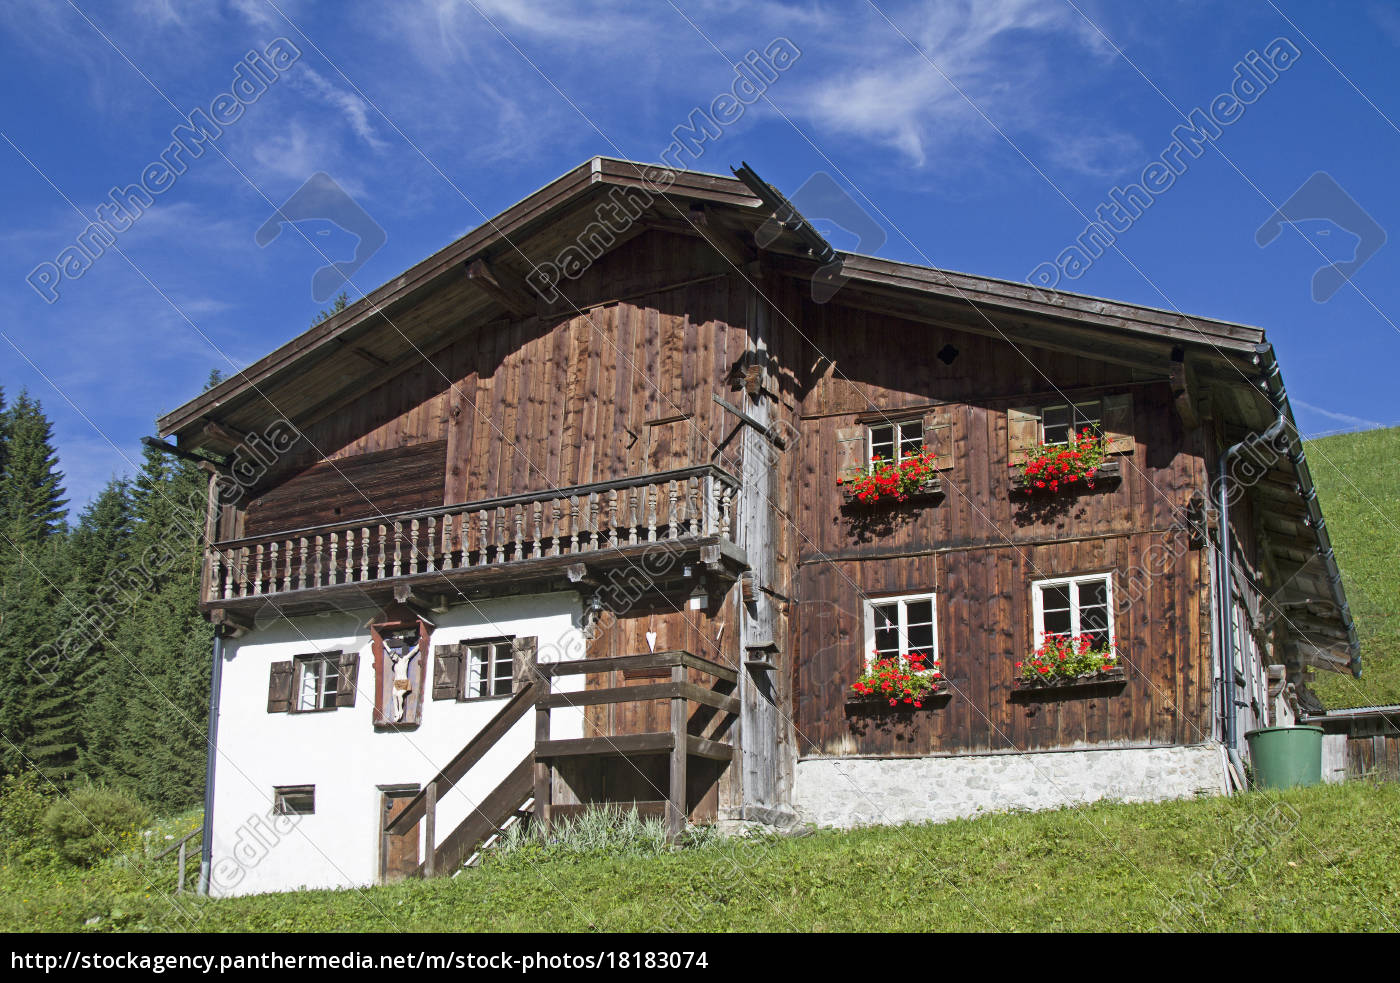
x=1055, y=422
x=911, y=437
x=1087, y=416
x=921, y=639
x=502, y=671
x=1093, y=592
x=882, y=442
x=1057, y=623
x=886, y=627
x=330, y=682
x=1055, y=598
x=477, y=671
x=306, y=693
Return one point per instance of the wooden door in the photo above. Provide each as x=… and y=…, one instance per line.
x=398, y=855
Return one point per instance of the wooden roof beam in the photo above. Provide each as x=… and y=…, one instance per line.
x=508, y=291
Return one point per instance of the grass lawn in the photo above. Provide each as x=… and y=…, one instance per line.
x=1358, y=484
x=1318, y=859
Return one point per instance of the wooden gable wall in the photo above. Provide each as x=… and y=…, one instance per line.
x=979, y=548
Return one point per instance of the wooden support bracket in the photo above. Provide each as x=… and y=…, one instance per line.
x=511, y=295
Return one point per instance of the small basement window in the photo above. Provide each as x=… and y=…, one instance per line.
x=900, y=626
x=489, y=669
x=892, y=441
x=294, y=800
x=1075, y=606
x=1059, y=423
x=318, y=680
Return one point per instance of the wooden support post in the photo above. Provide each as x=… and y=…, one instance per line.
x=675, y=803
x=180, y=873
x=542, y=768
x=430, y=829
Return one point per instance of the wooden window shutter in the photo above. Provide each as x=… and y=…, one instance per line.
x=447, y=671
x=523, y=652
x=938, y=437
x=1118, y=423
x=349, y=679
x=279, y=687
x=1022, y=433
x=850, y=451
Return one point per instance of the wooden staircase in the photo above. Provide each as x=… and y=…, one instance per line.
x=524, y=794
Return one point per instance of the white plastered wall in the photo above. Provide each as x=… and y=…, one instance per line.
x=346, y=758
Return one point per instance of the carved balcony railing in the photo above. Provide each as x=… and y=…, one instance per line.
x=685, y=504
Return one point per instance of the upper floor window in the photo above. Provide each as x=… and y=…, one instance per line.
x=483, y=668
x=318, y=682
x=489, y=669
x=891, y=441
x=1074, y=606
x=1029, y=427
x=901, y=626
x=1059, y=423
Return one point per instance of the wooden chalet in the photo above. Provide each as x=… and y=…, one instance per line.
x=553, y=518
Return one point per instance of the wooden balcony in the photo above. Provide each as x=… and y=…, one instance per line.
x=534, y=541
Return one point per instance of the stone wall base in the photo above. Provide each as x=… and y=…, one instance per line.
x=846, y=792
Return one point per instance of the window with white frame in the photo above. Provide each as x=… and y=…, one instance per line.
x=1059, y=423
x=489, y=669
x=1075, y=606
x=892, y=441
x=317, y=682
x=900, y=626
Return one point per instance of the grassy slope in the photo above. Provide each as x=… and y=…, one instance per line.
x=1358, y=484
x=1334, y=870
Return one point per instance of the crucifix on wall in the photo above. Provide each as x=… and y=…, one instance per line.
x=400, y=641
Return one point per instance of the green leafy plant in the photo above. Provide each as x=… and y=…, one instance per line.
x=93, y=823
x=1066, y=657
x=890, y=480
x=24, y=799
x=900, y=679
x=1052, y=467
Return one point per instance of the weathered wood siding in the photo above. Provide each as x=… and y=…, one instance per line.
x=981, y=547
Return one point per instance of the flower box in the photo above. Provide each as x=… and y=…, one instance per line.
x=932, y=699
x=929, y=491
x=1102, y=677
x=1109, y=472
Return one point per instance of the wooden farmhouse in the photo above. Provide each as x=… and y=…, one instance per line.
x=578, y=510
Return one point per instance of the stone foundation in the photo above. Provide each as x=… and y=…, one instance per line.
x=846, y=792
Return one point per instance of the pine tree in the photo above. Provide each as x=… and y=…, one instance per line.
x=37, y=710
x=162, y=642
x=99, y=551
x=31, y=488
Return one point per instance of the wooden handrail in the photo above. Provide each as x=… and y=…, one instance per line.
x=465, y=759
x=653, y=660
x=178, y=843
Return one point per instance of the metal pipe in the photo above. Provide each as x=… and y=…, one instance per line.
x=206, y=846
x=1226, y=613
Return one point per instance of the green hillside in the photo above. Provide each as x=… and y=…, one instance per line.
x=1316, y=859
x=1358, y=483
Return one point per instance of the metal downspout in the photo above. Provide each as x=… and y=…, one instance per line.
x=206, y=848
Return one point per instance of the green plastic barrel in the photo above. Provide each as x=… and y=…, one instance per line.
x=1286, y=756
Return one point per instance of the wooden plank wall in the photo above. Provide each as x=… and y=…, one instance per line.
x=622, y=388
x=982, y=545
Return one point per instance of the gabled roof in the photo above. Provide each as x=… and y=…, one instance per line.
x=357, y=344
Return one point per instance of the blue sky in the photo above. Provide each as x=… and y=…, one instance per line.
x=979, y=136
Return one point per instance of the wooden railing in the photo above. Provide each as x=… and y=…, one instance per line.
x=676, y=742
x=668, y=505
x=529, y=781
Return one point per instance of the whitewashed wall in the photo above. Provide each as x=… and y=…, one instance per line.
x=347, y=760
